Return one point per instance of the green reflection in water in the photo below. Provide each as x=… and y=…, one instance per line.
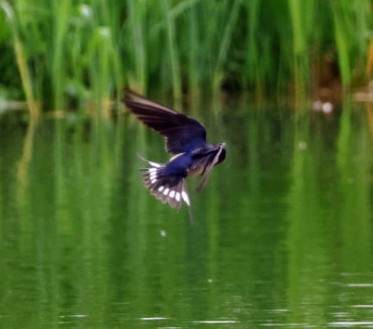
x=282, y=234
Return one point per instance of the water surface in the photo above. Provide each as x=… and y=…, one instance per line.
x=282, y=234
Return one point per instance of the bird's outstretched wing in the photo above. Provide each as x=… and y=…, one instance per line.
x=182, y=133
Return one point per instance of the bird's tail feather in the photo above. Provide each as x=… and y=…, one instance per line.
x=167, y=188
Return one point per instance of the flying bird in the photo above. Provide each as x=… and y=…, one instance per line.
x=185, y=140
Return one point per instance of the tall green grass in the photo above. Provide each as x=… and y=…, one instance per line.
x=21, y=60
x=79, y=52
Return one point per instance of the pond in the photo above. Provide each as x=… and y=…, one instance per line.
x=282, y=234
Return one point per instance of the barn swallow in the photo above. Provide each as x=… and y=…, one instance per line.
x=186, y=139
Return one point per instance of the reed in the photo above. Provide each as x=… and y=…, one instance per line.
x=172, y=50
x=21, y=61
x=135, y=39
x=78, y=52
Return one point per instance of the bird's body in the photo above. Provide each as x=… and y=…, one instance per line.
x=186, y=139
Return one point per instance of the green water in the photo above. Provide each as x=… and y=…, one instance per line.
x=282, y=235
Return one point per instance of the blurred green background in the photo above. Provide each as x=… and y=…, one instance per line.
x=80, y=54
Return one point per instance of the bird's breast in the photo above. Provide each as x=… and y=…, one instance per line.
x=194, y=171
x=198, y=165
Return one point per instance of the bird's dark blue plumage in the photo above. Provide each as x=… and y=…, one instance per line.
x=186, y=139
